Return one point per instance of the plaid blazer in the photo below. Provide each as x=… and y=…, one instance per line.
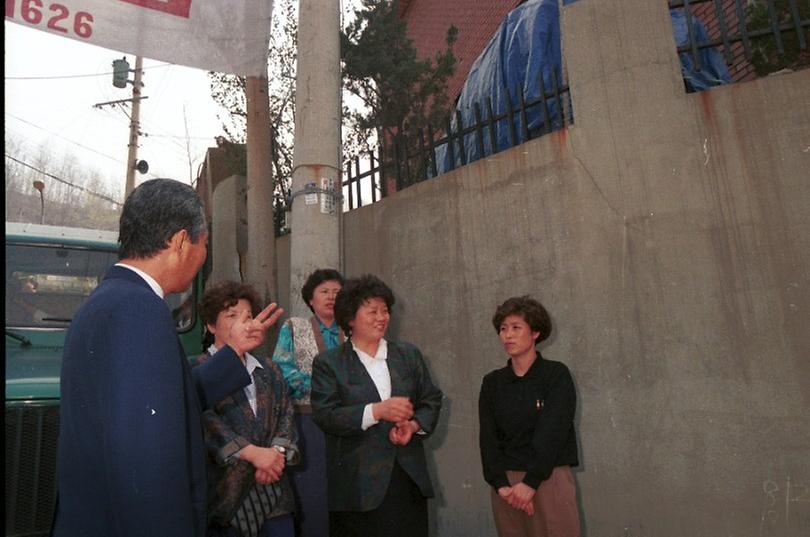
x=230, y=426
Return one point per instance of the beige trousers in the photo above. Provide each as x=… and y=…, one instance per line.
x=555, y=508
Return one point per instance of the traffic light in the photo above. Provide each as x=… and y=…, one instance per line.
x=120, y=72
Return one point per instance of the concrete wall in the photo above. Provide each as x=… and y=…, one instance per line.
x=228, y=229
x=668, y=236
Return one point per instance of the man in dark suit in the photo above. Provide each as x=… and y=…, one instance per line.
x=131, y=450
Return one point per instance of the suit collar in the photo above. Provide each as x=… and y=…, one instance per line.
x=153, y=284
x=397, y=369
x=117, y=272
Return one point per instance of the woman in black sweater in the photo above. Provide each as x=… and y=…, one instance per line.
x=527, y=438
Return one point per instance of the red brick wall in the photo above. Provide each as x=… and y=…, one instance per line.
x=476, y=20
x=740, y=68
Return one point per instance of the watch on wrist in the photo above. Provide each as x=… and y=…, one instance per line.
x=281, y=449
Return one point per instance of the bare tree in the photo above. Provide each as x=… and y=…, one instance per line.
x=229, y=92
x=73, y=196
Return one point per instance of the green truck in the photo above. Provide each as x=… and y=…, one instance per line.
x=49, y=272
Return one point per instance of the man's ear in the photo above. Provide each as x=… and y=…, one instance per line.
x=177, y=240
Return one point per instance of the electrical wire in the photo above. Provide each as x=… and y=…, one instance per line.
x=62, y=77
x=66, y=139
x=73, y=185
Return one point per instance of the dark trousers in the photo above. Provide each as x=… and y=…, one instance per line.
x=280, y=526
x=402, y=513
x=309, y=480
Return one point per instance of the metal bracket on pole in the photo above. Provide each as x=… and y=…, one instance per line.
x=119, y=101
x=311, y=189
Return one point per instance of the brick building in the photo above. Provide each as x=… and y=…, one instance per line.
x=476, y=20
x=739, y=68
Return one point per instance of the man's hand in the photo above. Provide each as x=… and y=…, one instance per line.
x=269, y=463
x=394, y=409
x=246, y=334
x=402, y=433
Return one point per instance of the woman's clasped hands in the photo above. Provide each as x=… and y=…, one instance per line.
x=519, y=496
x=399, y=411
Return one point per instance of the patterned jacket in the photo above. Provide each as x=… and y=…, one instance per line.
x=231, y=426
x=359, y=463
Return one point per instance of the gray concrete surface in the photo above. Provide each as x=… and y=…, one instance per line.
x=667, y=233
x=668, y=236
x=228, y=229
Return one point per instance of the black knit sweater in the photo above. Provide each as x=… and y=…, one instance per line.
x=527, y=423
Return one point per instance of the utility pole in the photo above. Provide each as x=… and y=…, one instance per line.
x=121, y=72
x=261, y=252
x=316, y=177
x=132, y=159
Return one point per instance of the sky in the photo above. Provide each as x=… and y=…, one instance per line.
x=52, y=83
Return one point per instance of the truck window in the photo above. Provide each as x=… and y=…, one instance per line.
x=46, y=285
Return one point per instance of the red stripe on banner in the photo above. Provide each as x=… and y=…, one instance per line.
x=181, y=8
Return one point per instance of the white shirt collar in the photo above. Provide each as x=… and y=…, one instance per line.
x=147, y=278
x=382, y=351
x=251, y=362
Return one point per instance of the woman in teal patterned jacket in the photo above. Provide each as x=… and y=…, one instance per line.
x=299, y=340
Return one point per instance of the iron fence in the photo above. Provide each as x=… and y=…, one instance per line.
x=410, y=158
x=752, y=37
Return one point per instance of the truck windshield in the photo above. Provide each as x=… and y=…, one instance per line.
x=45, y=285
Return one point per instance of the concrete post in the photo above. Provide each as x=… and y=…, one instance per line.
x=261, y=268
x=229, y=206
x=316, y=213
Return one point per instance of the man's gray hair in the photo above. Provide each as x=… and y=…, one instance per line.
x=153, y=213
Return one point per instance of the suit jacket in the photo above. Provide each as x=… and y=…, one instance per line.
x=131, y=452
x=231, y=425
x=359, y=463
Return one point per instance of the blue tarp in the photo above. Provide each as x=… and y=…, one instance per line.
x=713, y=70
x=526, y=46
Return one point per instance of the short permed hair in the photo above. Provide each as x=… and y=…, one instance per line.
x=354, y=293
x=153, y=213
x=530, y=309
x=317, y=278
x=225, y=294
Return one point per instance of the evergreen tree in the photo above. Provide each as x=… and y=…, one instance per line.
x=400, y=93
x=766, y=57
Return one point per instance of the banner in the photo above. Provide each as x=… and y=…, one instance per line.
x=227, y=36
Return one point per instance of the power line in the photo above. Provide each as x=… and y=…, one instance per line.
x=60, y=77
x=66, y=139
x=178, y=136
x=73, y=185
